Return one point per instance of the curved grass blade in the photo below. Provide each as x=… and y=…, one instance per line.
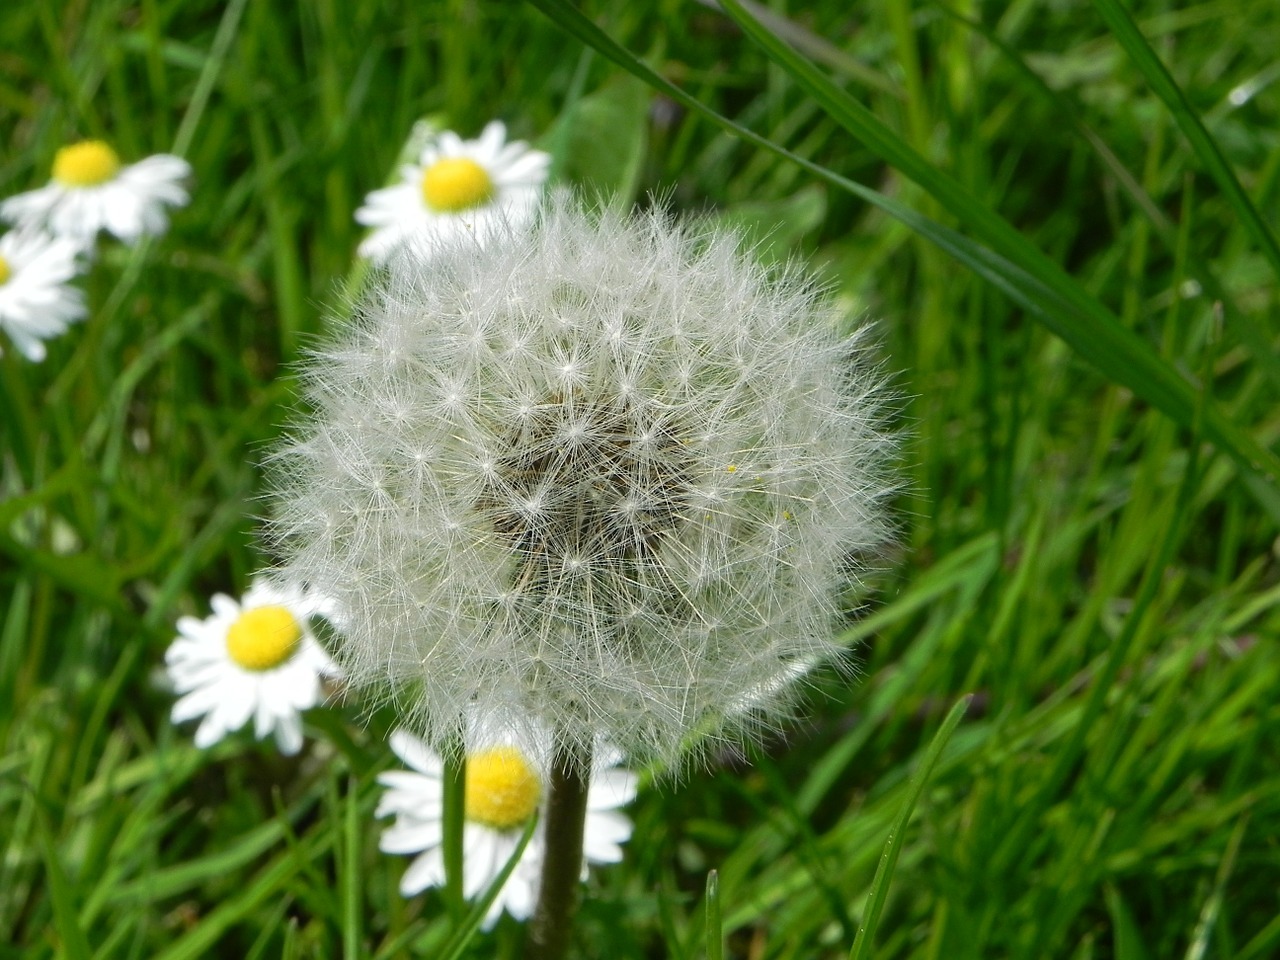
x=1010, y=263
x=1252, y=332
x=1166, y=88
x=471, y=924
x=893, y=846
x=1081, y=320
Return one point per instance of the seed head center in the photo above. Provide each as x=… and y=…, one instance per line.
x=454, y=184
x=577, y=493
x=263, y=638
x=85, y=164
x=502, y=791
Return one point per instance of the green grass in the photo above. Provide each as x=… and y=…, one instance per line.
x=1065, y=230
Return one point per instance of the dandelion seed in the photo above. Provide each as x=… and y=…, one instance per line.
x=257, y=658
x=458, y=190
x=589, y=554
x=91, y=190
x=504, y=789
x=36, y=301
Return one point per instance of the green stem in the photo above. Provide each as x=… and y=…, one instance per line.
x=455, y=799
x=566, y=815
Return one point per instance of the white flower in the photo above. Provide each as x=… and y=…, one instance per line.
x=458, y=189
x=256, y=658
x=609, y=473
x=504, y=787
x=36, y=303
x=91, y=190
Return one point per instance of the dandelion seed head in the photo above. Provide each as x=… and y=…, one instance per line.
x=653, y=467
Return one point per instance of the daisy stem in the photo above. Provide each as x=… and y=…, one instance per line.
x=566, y=815
x=454, y=815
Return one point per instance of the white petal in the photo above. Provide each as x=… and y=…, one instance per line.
x=484, y=851
x=604, y=831
x=191, y=627
x=410, y=835
x=426, y=870
x=30, y=347
x=612, y=788
x=493, y=136
x=224, y=607
x=123, y=215
x=209, y=732
x=289, y=734
x=195, y=704
x=415, y=753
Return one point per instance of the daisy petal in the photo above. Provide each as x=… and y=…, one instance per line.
x=255, y=659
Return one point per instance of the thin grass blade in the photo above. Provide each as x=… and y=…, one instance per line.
x=893, y=846
x=471, y=924
x=715, y=930
x=66, y=922
x=1127, y=34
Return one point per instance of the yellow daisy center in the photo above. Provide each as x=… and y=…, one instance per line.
x=502, y=791
x=454, y=184
x=263, y=638
x=85, y=164
x=5, y=271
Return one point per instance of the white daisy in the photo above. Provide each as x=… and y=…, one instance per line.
x=35, y=301
x=256, y=658
x=91, y=190
x=503, y=789
x=458, y=188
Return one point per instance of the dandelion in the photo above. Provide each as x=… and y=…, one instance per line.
x=458, y=189
x=91, y=190
x=517, y=483
x=257, y=658
x=609, y=474
x=36, y=301
x=504, y=789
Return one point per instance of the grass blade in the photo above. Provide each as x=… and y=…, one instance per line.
x=1253, y=333
x=893, y=846
x=75, y=944
x=1199, y=947
x=715, y=932
x=1081, y=320
x=472, y=923
x=1166, y=88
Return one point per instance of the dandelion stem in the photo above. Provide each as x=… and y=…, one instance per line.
x=566, y=813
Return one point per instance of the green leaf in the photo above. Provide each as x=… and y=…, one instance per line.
x=266, y=887
x=1198, y=949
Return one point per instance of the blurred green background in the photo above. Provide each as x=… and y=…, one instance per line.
x=1103, y=579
